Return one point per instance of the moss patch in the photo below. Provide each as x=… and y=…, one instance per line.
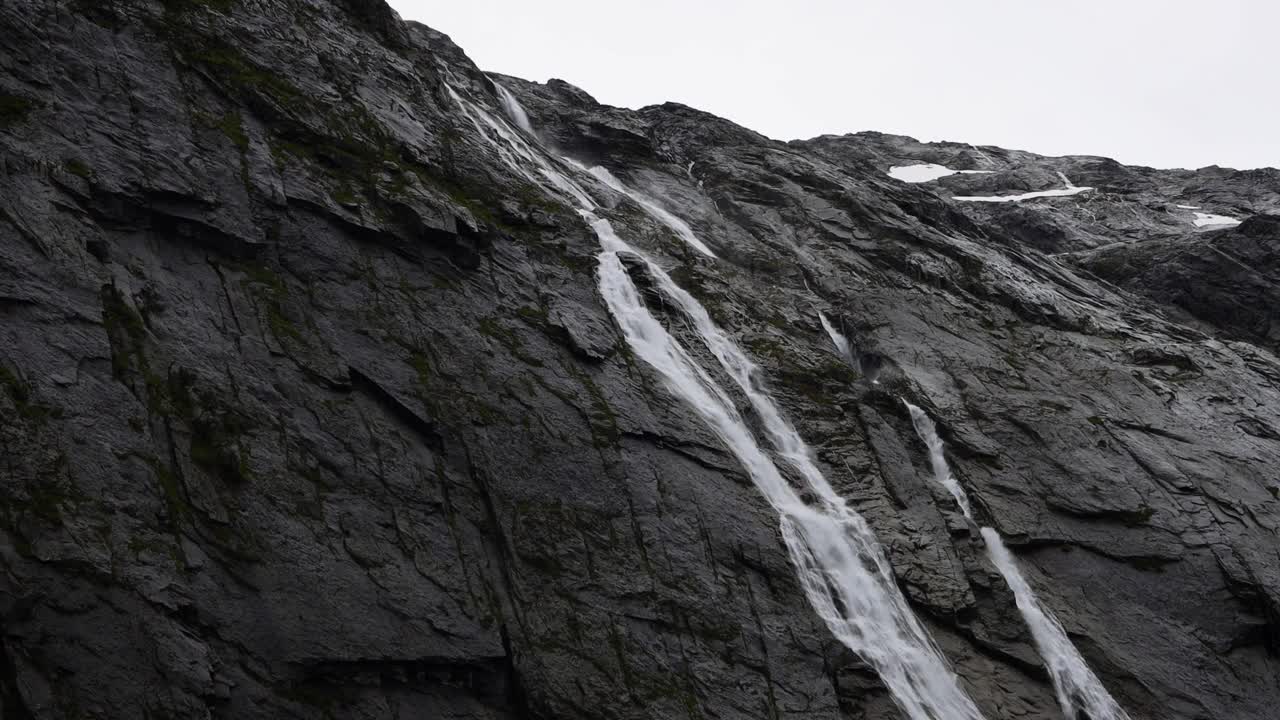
x=534, y=198
x=267, y=285
x=240, y=74
x=604, y=422
x=232, y=126
x=14, y=109
x=535, y=316
x=175, y=499
x=344, y=196
x=21, y=394
x=421, y=364
x=491, y=327
x=217, y=445
x=49, y=496
x=509, y=339
x=126, y=333
x=1141, y=516
x=78, y=168
x=765, y=347
x=343, y=140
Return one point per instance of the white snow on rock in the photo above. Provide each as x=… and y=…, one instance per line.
x=1070, y=189
x=926, y=172
x=1206, y=219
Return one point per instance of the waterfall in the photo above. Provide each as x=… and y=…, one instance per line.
x=514, y=110
x=928, y=432
x=1079, y=691
x=837, y=339
x=842, y=568
x=867, y=363
x=835, y=550
x=657, y=212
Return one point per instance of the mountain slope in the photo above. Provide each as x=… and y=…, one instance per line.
x=312, y=407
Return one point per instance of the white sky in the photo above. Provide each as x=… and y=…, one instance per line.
x=1168, y=83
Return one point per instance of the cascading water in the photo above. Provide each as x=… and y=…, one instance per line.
x=513, y=109
x=842, y=568
x=839, y=551
x=868, y=364
x=837, y=339
x=675, y=224
x=938, y=459
x=1079, y=691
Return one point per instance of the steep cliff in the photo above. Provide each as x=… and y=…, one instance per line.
x=312, y=407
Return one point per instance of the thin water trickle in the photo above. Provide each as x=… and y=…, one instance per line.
x=837, y=339
x=928, y=432
x=1080, y=693
x=867, y=363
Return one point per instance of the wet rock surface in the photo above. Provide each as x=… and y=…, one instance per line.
x=311, y=408
x=1125, y=203
x=1227, y=281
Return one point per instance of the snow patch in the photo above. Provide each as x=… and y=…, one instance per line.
x=1207, y=219
x=1189, y=207
x=927, y=172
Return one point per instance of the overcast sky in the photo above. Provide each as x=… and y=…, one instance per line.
x=1167, y=83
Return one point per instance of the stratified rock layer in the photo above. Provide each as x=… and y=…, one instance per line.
x=310, y=407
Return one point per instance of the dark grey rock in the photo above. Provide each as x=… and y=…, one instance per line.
x=311, y=408
x=1226, y=281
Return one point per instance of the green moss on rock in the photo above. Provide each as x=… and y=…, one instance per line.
x=78, y=168
x=14, y=109
x=126, y=332
x=241, y=75
x=232, y=126
x=344, y=196
x=218, y=444
x=16, y=388
x=267, y=285
x=421, y=364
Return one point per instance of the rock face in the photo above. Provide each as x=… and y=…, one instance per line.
x=1124, y=203
x=311, y=408
x=1229, y=280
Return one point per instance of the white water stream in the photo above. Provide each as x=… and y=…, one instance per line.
x=837, y=338
x=1080, y=693
x=657, y=212
x=514, y=110
x=841, y=566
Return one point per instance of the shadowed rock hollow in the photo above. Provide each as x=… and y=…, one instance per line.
x=310, y=406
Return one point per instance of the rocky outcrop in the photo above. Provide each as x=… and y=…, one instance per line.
x=1227, y=280
x=310, y=406
x=1125, y=203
